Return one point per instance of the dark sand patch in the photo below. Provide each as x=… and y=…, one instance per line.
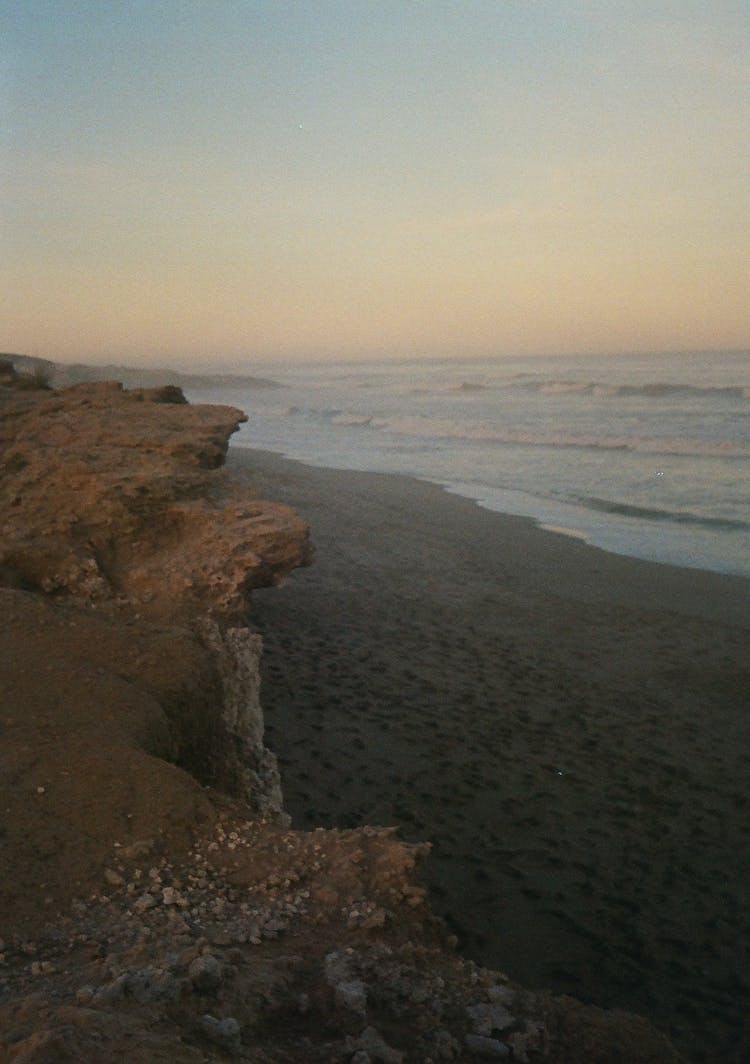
x=568, y=727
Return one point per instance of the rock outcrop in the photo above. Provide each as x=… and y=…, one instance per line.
x=155, y=904
x=114, y=510
x=114, y=497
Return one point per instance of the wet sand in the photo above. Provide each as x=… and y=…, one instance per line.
x=569, y=728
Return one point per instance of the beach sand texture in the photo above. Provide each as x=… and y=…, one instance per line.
x=569, y=728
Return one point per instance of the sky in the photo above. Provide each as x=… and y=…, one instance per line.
x=217, y=182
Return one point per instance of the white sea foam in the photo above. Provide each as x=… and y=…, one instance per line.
x=561, y=530
x=647, y=455
x=420, y=426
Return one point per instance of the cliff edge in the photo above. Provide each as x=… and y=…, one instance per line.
x=156, y=905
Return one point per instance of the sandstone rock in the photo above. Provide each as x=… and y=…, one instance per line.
x=117, y=495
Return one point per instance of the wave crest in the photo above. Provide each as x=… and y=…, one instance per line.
x=418, y=425
x=653, y=389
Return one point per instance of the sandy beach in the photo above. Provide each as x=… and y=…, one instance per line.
x=567, y=727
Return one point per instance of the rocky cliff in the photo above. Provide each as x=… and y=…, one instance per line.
x=156, y=905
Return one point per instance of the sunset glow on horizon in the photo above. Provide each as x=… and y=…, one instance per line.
x=213, y=184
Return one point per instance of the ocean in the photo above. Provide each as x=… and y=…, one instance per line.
x=644, y=455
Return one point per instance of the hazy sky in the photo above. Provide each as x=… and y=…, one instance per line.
x=219, y=181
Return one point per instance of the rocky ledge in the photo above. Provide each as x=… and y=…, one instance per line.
x=156, y=905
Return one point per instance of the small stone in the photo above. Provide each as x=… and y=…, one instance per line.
x=111, y=992
x=113, y=878
x=375, y=919
x=150, y=985
x=205, y=973
x=444, y=1046
x=170, y=896
x=146, y=901
x=501, y=995
x=225, y=1033
x=84, y=994
x=491, y=1048
x=374, y=1047
x=40, y=790
x=351, y=994
x=273, y=927
x=488, y=1019
x=140, y=848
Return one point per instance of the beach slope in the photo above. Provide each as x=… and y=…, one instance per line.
x=567, y=727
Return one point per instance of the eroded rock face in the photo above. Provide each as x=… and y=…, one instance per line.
x=249, y=768
x=117, y=717
x=117, y=498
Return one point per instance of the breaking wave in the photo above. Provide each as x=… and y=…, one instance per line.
x=654, y=389
x=420, y=426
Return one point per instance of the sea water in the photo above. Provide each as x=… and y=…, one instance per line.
x=641, y=455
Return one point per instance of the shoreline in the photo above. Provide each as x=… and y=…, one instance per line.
x=563, y=724
x=713, y=594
